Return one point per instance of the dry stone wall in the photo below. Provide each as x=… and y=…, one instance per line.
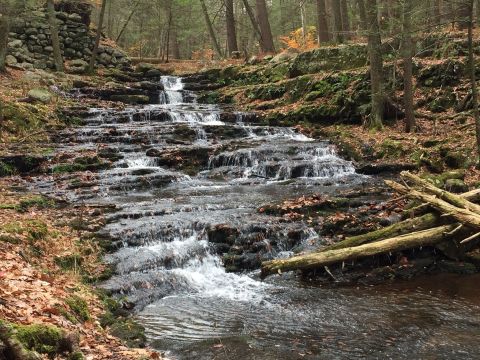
x=30, y=45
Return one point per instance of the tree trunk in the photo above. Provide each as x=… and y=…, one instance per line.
x=376, y=66
x=473, y=80
x=362, y=14
x=124, y=27
x=254, y=22
x=52, y=21
x=408, y=66
x=463, y=14
x=337, y=21
x=174, y=42
x=93, y=58
x=321, y=259
x=4, y=29
x=169, y=29
x=303, y=18
x=264, y=25
x=231, y=29
x=211, y=31
x=437, y=12
x=322, y=24
x=345, y=18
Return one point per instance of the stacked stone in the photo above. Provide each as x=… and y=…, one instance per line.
x=30, y=43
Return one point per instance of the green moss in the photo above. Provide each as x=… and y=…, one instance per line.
x=79, y=307
x=269, y=92
x=86, y=163
x=390, y=149
x=129, y=331
x=44, y=339
x=6, y=169
x=39, y=201
x=77, y=355
x=69, y=262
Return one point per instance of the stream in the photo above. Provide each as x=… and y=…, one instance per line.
x=196, y=306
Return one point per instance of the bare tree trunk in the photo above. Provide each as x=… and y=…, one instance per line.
x=407, y=66
x=473, y=80
x=264, y=25
x=254, y=22
x=376, y=66
x=322, y=24
x=169, y=28
x=210, y=29
x=363, y=15
x=231, y=29
x=463, y=14
x=4, y=29
x=110, y=20
x=124, y=27
x=52, y=21
x=175, y=46
x=345, y=18
x=337, y=21
x=93, y=58
x=437, y=12
x=303, y=17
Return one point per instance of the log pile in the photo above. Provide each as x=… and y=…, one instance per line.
x=452, y=218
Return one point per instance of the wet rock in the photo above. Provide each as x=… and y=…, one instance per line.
x=374, y=169
x=457, y=267
x=223, y=233
x=131, y=99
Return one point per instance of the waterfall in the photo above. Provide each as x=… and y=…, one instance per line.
x=173, y=88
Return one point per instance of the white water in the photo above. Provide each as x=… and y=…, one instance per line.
x=173, y=90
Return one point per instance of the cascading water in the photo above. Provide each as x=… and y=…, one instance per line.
x=173, y=88
x=172, y=228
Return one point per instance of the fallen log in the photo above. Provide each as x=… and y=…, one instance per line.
x=320, y=259
x=416, y=224
x=464, y=216
x=423, y=222
x=456, y=200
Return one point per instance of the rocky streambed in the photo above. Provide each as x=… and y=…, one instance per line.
x=191, y=184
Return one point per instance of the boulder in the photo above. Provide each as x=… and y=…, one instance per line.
x=78, y=66
x=40, y=96
x=144, y=67
x=11, y=60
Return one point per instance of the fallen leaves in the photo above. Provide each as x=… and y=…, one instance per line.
x=33, y=289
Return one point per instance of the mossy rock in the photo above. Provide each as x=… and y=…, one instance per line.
x=69, y=262
x=42, y=96
x=455, y=159
x=329, y=58
x=43, y=339
x=440, y=180
x=6, y=169
x=455, y=267
x=391, y=149
x=132, y=333
x=79, y=307
x=131, y=99
x=268, y=92
x=456, y=186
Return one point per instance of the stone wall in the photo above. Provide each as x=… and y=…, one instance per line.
x=30, y=46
